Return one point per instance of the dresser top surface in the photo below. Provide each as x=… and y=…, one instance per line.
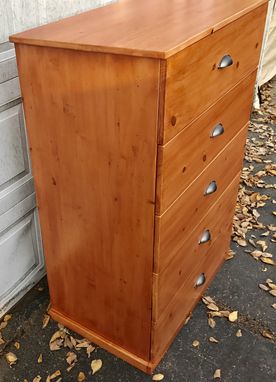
x=148, y=28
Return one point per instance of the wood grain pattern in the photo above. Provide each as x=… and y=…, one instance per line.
x=183, y=158
x=181, y=306
x=182, y=217
x=155, y=28
x=217, y=221
x=193, y=81
x=94, y=169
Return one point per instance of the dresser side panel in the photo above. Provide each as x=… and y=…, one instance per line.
x=92, y=125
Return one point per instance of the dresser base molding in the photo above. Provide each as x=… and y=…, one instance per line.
x=118, y=351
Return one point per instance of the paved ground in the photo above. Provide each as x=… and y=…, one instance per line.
x=249, y=358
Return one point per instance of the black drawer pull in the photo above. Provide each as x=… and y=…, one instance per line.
x=211, y=188
x=200, y=280
x=205, y=237
x=225, y=62
x=217, y=131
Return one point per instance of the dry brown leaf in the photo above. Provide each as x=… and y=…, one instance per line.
x=158, y=377
x=89, y=350
x=233, y=316
x=37, y=378
x=213, y=307
x=213, y=339
x=274, y=213
x=242, y=242
x=267, y=260
x=96, y=365
x=81, y=376
x=71, y=357
x=267, y=334
x=211, y=322
x=45, y=321
x=58, y=334
x=239, y=333
x=263, y=287
x=208, y=300
x=56, y=345
x=217, y=374
x=40, y=359
x=57, y=373
x=262, y=244
x=82, y=344
x=17, y=345
x=7, y=317
x=11, y=358
x=271, y=227
x=3, y=324
x=273, y=306
x=73, y=341
x=2, y=341
x=265, y=234
x=230, y=255
x=196, y=343
x=273, y=292
x=271, y=285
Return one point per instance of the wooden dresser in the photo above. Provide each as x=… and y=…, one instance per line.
x=137, y=118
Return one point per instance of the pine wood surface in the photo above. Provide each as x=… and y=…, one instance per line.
x=150, y=28
x=95, y=184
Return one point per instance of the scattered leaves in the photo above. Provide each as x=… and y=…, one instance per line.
x=81, y=376
x=158, y=377
x=211, y=322
x=45, y=321
x=267, y=334
x=217, y=374
x=96, y=365
x=53, y=376
x=214, y=340
x=239, y=333
x=40, y=358
x=233, y=316
x=11, y=358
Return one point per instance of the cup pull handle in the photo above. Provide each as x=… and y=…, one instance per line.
x=200, y=280
x=205, y=237
x=211, y=188
x=217, y=130
x=225, y=62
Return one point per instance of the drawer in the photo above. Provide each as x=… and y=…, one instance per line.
x=216, y=223
x=173, y=317
x=189, y=209
x=180, y=162
x=193, y=78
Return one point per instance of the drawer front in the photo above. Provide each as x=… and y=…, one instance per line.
x=172, y=319
x=190, y=208
x=194, y=80
x=215, y=224
x=192, y=150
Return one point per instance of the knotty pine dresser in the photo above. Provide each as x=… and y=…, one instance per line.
x=137, y=118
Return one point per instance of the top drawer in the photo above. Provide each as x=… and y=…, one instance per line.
x=194, y=80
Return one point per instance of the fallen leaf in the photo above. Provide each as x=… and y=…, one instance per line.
x=158, y=377
x=2, y=341
x=267, y=260
x=217, y=374
x=39, y=360
x=233, y=316
x=56, y=345
x=271, y=285
x=45, y=321
x=273, y=292
x=262, y=244
x=239, y=333
x=208, y=300
x=196, y=343
x=3, y=324
x=263, y=287
x=242, y=242
x=214, y=340
x=82, y=344
x=7, y=317
x=17, y=345
x=81, y=376
x=267, y=334
x=71, y=358
x=273, y=306
x=96, y=365
x=213, y=307
x=89, y=350
x=11, y=358
x=54, y=375
x=37, y=378
x=58, y=334
x=211, y=322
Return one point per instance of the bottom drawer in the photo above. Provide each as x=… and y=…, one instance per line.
x=185, y=299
